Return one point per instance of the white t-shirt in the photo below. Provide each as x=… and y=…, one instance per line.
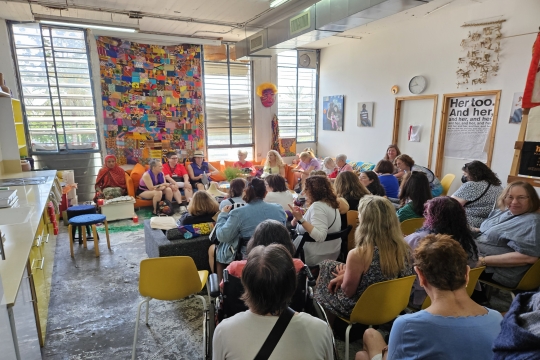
x=227, y=202
x=241, y=337
x=282, y=198
x=325, y=220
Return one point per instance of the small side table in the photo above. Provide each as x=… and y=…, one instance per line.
x=118, y=210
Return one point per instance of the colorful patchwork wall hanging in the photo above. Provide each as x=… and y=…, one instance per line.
x=152, y=99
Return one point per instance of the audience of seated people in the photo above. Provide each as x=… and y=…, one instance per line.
x=111, y=180
x=453, y=327
x=406, y=164
x=371, y=181
x=273, y=165
x=177, y=175
x=322, y=217
x=153, y=186
x=391, y=153
x=236, y=193
x=240, y=223
x=509, y=239
x=443, y=215
x=198, y=169
x=349, y=187
x=201, y=209
x=413, y=195
x=385, y=171
x=479, y=191
x=380, y=254
x=277, y=191
x=269, y=280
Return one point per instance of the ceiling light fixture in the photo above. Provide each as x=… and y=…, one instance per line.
x=276, y=3
x=89, y=26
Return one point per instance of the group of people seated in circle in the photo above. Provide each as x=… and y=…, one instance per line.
x=480, y=225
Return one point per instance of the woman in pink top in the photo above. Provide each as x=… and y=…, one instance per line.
x=242, y=163
x=266, y=233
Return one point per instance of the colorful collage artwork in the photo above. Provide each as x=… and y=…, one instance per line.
x=152, y=99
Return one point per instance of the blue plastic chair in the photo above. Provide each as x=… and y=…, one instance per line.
x=88, y=220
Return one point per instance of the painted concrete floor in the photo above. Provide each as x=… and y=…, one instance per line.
x=94, y=303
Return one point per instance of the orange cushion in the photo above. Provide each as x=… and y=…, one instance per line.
x=216, y=164
x=136, y=174
x=229, y=163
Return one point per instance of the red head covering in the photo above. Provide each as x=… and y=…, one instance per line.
x=108, y=177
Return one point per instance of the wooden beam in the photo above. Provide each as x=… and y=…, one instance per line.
x=531, y=180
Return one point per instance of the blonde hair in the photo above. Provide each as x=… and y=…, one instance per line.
x=266, y=86
x=306, y=154
x=242, y=152
x=202, y=203
x=279, y=160
x=379, y=226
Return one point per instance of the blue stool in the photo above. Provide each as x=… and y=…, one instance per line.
x=88, y=220
x=80, y=210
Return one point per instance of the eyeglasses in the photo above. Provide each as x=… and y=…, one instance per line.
x=518, y=198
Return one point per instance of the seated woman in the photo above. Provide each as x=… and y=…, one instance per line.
x=321, y=218
x=198, y=169
x=236, y=191
x=176, y=175
x=349, y=187
x=242, y=163
x=479, y=193
x=380, y=254
x=453, y=327
x=414, y=193
x=201, y=209
x=307, y=164
x=278, y=192
x=153, y=186
x=111, y=180
x=269, y=280
x=274, y=164
x=444, y=215
x=509, y=241
x=406, y=164
x=240, y=223
x=329, y=167
x=385, y=170
x=371, y=181
x=341, y=162
x=391, y=153
x=266, y=233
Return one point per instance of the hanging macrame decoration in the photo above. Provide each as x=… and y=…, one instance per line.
x=275, y=134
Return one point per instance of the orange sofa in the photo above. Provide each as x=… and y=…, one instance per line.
x=132, y=183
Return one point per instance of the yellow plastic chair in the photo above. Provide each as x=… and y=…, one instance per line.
x=352, y=219
x=529, y=282
x=410, y=226
x=170, y=278
x=446, y=182
x=474, y=274
x=379, y=304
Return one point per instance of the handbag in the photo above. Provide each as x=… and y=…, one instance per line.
x=162, y=222
x=275, y=335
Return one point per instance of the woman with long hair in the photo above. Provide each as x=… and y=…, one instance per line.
x=479, y=192
x=392, y=151
x=406, y=164
x=349, y=187
x=273, y=165
x=380, y=254
x=371, y=181
x=413, y=195
x=201, y=209
x=444, y=215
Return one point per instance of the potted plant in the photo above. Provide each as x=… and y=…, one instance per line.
x=232, y=173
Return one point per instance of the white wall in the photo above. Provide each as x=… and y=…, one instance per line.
x=6, y=60
x=366, y=69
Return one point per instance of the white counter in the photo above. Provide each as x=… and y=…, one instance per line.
x=20, y=237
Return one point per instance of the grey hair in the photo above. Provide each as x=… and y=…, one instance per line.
x=153, y=163
x=341, y=157
x=242, y=152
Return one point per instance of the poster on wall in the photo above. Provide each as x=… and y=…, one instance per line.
x=333, y=113
x=152, y=99
x=468, y=128
x=517, y=112
x=365, y=114
x=287, y=146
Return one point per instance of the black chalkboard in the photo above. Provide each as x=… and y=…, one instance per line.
x=530, y=159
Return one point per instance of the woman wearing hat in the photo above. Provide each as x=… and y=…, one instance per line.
x=198, y=168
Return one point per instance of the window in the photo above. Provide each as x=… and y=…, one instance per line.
x=56, y=87
x=227, y=90
x=297, y=98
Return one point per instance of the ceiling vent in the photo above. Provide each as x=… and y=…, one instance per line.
x=256, y=43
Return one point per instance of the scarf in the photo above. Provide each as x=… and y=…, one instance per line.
x=108, y=177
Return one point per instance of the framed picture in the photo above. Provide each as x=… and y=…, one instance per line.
x=287, y=146
x=517, y=112
x=364, y=117
x=333, y=110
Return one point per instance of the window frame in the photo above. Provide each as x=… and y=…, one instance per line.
x=315, y=134
x=231, y=145
x=67, y=150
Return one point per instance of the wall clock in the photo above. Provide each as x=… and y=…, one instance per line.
x=395, y=89
x=417, y=85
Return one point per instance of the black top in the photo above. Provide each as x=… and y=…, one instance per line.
x=188, y=219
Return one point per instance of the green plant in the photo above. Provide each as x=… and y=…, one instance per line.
x=232, y=173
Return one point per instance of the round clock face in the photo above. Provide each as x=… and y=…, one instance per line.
x=418, y=84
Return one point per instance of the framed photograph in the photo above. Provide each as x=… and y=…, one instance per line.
x=517, y=112
x=333, y=110
x=287, y=146
x=364, y=117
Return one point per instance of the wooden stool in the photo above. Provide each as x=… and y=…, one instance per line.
x=86, y=220
x=80, y=210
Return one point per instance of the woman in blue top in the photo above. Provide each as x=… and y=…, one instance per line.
x=198, y=168
x=453, y=327
x=385, y=170
x=406, y=164
x=241, y=223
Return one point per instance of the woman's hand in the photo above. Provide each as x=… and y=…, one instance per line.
x=340, y=270
x=335, y=284
x=226, y=209
x=296, y=211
